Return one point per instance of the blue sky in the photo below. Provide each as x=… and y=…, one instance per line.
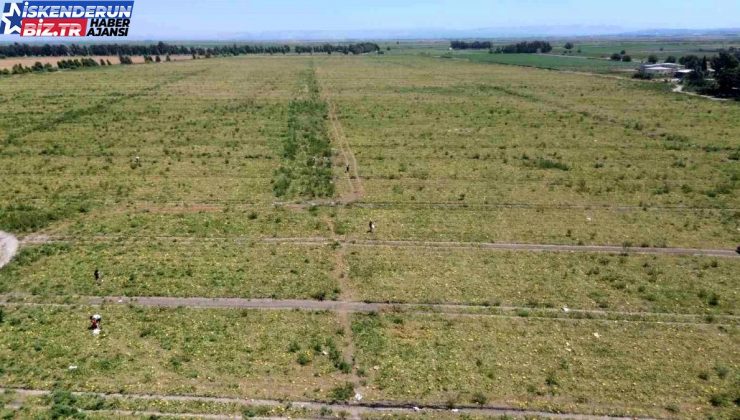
x=181, y=19
x=213, y=19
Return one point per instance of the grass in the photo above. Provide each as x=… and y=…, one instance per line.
x=447, y=150
x=174, y=351
x=583, y=366
x=94, y=406
x=168, y=268
x=579, y=281
x=540, y=224
x=306, y=169
x=474, y=134
x=553, y=62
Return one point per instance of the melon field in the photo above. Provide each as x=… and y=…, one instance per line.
x=326, y=236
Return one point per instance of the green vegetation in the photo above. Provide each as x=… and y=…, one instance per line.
x=618, y=283
x=555, y=62
x=306, y=169
x=93, y=406
x=169, y=268
x=586, y=366
x=200, y=178
x=167, y=351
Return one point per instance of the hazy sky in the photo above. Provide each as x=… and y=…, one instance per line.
x=183, y=19
x=178, y=18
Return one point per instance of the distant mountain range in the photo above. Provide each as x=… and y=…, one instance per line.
x=523, y=32
x=437, y=33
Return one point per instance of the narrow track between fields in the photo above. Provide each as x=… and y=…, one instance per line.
x=346, y=307
x=317, y=241
x=353, y=409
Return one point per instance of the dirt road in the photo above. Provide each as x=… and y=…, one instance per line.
x=8, y=248
x=356, y=410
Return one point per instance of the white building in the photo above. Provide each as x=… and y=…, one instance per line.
x=662, y=69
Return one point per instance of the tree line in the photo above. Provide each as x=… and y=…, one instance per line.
x=526, y=47
x=530, y=47
x=726, y=66
x=70, y=64
x=475, y=45
x=161, y=48
x=355, y=49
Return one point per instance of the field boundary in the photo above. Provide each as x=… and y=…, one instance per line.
x=319, y=241
x=355, y=182
x=344, y=307
x=354, y=409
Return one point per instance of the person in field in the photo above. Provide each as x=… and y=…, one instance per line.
x=96, y=274
x=95, y=321
x=371, y=226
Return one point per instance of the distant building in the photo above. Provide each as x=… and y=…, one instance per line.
x=680, y=74
x=662, y=69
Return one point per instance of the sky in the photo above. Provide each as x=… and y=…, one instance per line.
x=223, y=19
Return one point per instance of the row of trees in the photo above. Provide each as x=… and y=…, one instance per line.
x=726, y=66
x=475, y=45
x=360, y=48
x=526, y=47
x=61, y=50
x=39, y=67
x=79, y=63
x=159, y=49
x=530, y=47
x=21, y=69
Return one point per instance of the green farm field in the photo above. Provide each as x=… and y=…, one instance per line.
x=502, y=196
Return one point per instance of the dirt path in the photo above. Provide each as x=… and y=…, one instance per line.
x=340, y=273
x=319, y=241
x=679, y=89
x=357, y=191
x=554, y=248
x=354, y=409
x=484, y=206
x=345, y=307
x=8, y=247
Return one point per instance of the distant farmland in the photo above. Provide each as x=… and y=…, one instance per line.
x=330, y=233
x=554, y=62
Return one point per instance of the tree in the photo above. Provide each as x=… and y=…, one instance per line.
x=652, y=59
x=726, y=71
x=626, y=58
x=568, y=46
x=670, y=59
x=623, y=52
x=616, y=57
x=691, y=62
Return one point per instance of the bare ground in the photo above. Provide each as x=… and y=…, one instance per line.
x=8, y=248
x=8, y=63
x=319, y=241
x=353, y=409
